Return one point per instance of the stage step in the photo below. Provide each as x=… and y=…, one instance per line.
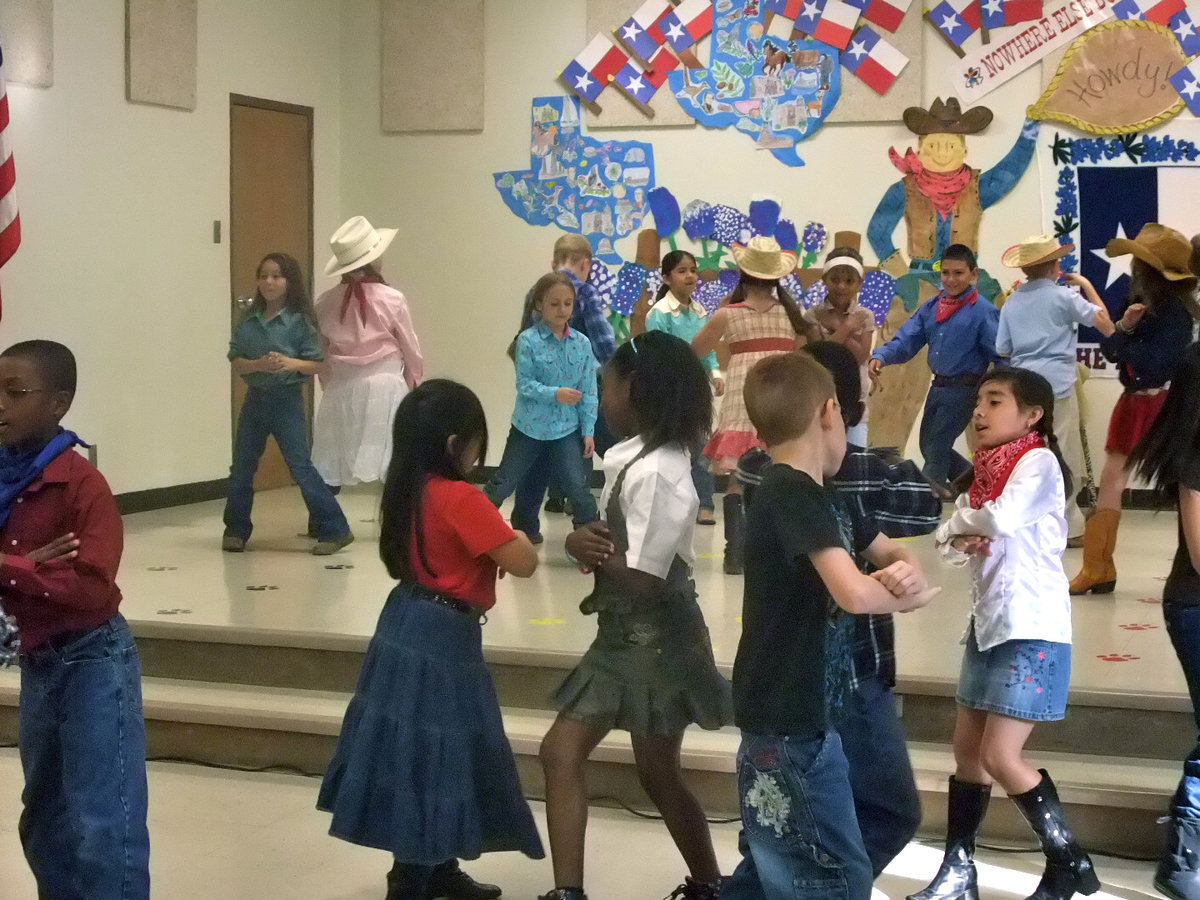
x=1113, y=801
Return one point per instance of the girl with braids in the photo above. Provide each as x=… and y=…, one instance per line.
x=1010, y=525
x=650, y=670
x=759, y=319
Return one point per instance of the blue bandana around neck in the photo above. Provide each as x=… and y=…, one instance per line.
x=21, y=468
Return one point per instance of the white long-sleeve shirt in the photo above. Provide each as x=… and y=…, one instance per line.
x=1021, y=590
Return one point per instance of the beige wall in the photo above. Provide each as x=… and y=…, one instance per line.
x=117, y=204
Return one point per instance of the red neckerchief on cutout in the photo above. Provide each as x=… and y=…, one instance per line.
x=354, y=289
x=942, y=188
x=994, y=466
x=948, y=306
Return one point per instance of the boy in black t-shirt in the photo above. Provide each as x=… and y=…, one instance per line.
x=793, y=661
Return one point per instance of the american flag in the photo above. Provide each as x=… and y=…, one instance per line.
x=10, y=219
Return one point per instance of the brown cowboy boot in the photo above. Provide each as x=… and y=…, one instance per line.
x=1099, y=574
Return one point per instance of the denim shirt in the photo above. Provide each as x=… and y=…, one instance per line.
x=965, y=344
x=546, y=363
x=288, y=332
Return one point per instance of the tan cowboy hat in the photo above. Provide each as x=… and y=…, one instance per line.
x=355, y=244
x=946, y=118
x=1032, y=251
x=763, y=258
x=1159, y=246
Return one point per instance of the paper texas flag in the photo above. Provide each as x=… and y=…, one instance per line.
x=1187, y=82
x=873, y=59
x=957, y=19
x=589, y=73
x=640, y=83
x=641, y=33
x=1159, y=11
x=886, y=13
x=687, y=23
x=1184, y=25
x=836, y=24
x=998, y=13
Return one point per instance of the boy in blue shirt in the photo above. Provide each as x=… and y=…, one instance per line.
x=959, y=326
x=1037, y=331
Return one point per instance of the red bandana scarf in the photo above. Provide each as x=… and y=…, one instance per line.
x=354, y=288
x=994, y=466
x=948, y=306
x=942, y=188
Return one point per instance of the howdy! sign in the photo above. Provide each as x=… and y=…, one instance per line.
x=1113, y=80
x=993, y=64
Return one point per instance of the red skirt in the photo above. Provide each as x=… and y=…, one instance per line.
x=1131, y=419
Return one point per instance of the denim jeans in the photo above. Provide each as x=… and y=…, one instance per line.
x=948, y=411
x=279, y=412
x=560, y=459
x=702, y=479
x=1183, y=627
x=881, y=775
x=83, y=751
x=800, y=837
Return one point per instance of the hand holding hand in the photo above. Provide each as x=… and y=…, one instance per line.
x=1133, y=315
x=1075, y=278
x=873, y=368
x=972, y=545
x=901, y=578
x=590, y=544
x=568, y=396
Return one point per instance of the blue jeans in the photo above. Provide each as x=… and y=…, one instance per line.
x=881, y=775
x=560, y=459
x=1183, y=626
x=948, y=411
x=702, y=479
x=278, y=412
x=800, y=837
x=83, y=751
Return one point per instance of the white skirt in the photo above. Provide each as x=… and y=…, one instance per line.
x=352, y=435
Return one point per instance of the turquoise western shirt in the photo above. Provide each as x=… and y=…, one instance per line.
x=288, y=332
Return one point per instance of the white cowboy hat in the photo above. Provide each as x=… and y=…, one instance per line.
x=763, y=258
x=1032, y=251
x=355, y=244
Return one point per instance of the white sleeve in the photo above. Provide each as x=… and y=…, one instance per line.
x=1034, y=489
x=656, y=514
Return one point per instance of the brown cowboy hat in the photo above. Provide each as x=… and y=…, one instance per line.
x=946, y=118
x=1164, y=248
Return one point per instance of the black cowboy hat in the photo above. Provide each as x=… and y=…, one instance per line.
x=946, y=118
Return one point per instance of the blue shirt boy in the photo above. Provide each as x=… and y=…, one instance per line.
x=1038, y=331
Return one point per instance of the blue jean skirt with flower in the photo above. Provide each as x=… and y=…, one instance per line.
x=1024, y=679
x=423, y=768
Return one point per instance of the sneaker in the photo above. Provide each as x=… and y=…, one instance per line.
x=564, y=894
x=231, y=544
x=536, y=539
x=706, y=517
x=555, y=505
x=695, y=890
x=330, y=547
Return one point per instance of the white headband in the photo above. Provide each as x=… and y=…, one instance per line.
x=835, y=261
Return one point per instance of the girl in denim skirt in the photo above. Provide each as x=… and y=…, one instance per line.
x=1011, y=527
x=423, y=769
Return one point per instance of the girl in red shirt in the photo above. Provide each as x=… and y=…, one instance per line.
x=423, y=768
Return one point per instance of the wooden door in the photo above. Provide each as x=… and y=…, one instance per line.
x=270, y=209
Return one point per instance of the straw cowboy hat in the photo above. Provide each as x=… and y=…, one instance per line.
x=355, y=244
x=763, y=258
x=1040, y=248
x=946, y=118
x=1159, y=246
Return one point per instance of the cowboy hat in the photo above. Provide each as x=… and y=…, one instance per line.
x=763, y=258
x=946, y=118
x=1164, y=248
x=355, y=244
x=1040, y=248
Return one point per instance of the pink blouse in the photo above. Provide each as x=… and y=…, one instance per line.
x=387, y=331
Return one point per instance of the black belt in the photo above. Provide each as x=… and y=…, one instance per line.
x=955, y=380
x=430, y=596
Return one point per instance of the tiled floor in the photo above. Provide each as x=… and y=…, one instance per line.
x=218, y=835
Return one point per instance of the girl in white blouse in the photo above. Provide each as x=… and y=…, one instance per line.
x=1011, y=527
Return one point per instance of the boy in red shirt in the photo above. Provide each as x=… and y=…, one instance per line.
x=82, y=736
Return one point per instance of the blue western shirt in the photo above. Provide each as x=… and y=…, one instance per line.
x=288, y=332
x=965, y=344
x=1037, y=331
x=546, y=363
x=685, y=322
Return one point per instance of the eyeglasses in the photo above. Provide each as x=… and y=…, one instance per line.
x=13, y=395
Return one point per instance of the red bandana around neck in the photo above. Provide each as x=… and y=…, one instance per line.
x=942, y=188
x=948, y=306
x=354, y=288
x=994, y=466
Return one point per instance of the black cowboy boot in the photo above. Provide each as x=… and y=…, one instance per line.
x=1069, y=869
x=407, y=881
x=735, y=534
x=691, y=889
x=965, y=809
x=450, y=881
x=1178, y=875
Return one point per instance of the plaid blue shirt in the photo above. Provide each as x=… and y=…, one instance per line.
x=901, y=503
x=589, y=319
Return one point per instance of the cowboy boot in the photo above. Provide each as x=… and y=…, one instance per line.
x=735, y=533
x=450, y=881
x=957, y=879
x=407, y=881
x=1099, y=574
x=1178, y=875
x=1068, y=869
x=564, y=894
x=691, y=889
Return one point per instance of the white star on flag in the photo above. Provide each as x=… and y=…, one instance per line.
x=631, y=31
x=635, y=85
x=1184, y=29
x=582, y=83
x=993, y=7
x=675, y=32
x=1191, y=90
x=949, y=23
x=1117, y=265
x=858, y=49
x=811, y=11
